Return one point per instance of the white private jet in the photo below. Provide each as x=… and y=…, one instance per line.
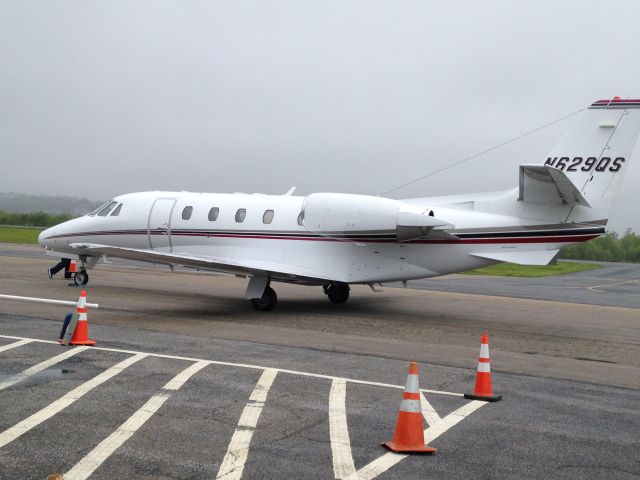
x=334, y=239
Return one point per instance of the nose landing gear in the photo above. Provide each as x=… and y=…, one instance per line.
x=81, y=277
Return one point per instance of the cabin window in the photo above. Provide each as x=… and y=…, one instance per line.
x=105, y=211
x=267, y=217
x=186, y=213
x=241, y=214
x=300, y=218
x=116, y=212
x=213, y=214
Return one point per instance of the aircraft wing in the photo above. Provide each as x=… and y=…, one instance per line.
x=202, y=262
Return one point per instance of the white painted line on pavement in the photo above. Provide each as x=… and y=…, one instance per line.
x=105, y=449
x=176, y=382
x=18, y=377
x=452, y=419
x=428, y=412
x=238, y=450
x=10, y=434
x=19, y=343
x=98, y=455
x=388, y=460
x=254, y=367
x=343, y=466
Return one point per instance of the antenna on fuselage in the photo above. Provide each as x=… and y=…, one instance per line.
x=289, y=192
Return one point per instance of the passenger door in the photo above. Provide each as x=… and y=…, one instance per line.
x=159, y=225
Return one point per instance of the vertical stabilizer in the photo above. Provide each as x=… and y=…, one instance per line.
x=595, y=153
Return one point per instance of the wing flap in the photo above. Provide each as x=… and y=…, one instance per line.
x=531, y=257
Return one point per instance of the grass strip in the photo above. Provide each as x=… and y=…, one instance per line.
x=27, y=235
x=513, y=270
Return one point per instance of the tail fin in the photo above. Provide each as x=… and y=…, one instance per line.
x=595, y=153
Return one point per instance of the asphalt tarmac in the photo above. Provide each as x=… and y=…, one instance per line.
x=569, y=373
x=542, y=428
x=613, y=284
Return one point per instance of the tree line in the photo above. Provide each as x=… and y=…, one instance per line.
x=610, y=247
x=34, y=219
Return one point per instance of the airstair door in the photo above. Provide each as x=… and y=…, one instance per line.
x=159, y=226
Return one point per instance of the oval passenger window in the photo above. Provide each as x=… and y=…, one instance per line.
x=241, y=214
x=213, y=214
x=186, y=213
x=267, y=217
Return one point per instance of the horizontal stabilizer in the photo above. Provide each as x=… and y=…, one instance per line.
x=531, y=257
x=544, y=184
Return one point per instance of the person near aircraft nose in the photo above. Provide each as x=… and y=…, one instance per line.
x=63, y=263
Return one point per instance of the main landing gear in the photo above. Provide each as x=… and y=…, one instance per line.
x=268, y=300
x=337, y=292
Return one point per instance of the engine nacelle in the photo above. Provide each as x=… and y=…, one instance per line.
x=338, y=215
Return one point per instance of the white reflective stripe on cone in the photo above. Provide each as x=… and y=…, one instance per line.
x=412, y=385
x=484, y=350
x=484, y=367
x=411, y=406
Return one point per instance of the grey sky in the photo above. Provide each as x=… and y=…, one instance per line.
x=102, y=98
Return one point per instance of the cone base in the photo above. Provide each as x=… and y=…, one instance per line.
x=486, y=398
x=394, y=447
x=78, y=342
x=90, y=343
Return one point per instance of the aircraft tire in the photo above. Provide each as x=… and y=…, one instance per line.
x=268, y=300
x=81, y=277
x=338, y=292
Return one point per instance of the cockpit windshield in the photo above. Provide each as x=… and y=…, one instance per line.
x=104, y=209
x=116, y=212
x=92, y=213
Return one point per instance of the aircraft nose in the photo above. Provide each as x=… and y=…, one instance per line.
x=44, y=235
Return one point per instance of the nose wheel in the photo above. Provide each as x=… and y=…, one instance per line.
x=337, y=292
x=81, y=277
x=268, y=300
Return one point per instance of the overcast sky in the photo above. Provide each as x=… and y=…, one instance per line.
x=109, y=97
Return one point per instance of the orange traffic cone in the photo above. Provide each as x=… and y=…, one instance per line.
x=81, y=333
x=73, y=267
x=482, y=390
x=409, y=436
